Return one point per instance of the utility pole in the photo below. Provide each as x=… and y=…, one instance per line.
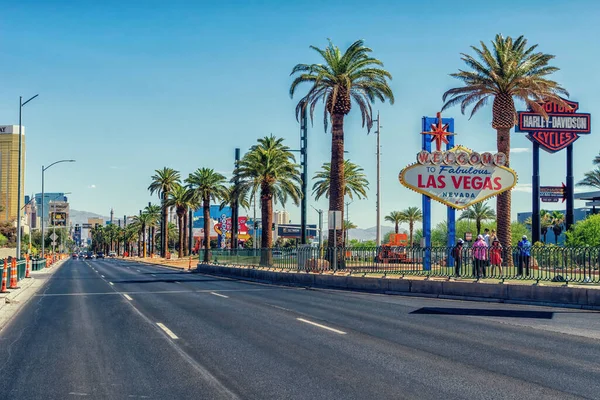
x=378, y=205
x=320, y=212
x=304, y=163
x=235, y=204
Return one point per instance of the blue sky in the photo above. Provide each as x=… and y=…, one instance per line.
x=127, y=87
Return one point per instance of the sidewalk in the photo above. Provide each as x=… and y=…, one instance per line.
x=11, y=303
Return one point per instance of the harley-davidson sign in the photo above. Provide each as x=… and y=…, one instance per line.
x=459, y=177
x=562, y=127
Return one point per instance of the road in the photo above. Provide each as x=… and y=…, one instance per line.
x=113, y=329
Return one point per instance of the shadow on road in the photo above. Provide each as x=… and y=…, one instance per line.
x=484, y=312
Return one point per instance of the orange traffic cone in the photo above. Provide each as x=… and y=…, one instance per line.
x=27, y=267
x=3, y=290
x=13, y=274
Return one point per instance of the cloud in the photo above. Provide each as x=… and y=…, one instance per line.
x=523, y=187
x=520, y=150
x=92, y=186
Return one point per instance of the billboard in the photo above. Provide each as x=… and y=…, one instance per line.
x=58, y=218
x=291, y=231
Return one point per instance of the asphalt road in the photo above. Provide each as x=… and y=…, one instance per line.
x=110, y=329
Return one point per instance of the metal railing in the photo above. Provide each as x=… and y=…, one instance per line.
x=537, y=263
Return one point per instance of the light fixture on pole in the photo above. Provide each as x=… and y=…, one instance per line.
x=44, y=170
x=20, y=174
x=320, y=226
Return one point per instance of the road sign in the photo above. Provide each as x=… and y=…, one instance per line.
x=53, y=237
x=551, y=194
x=86, y=226
x=338, y=220
x=53, y=244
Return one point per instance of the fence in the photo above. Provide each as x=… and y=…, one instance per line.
x=21, y=265
x=552, y=263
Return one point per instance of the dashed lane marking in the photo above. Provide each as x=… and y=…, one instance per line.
x=321, y=326
x=111, y=284
x=220, y=295
x=102, y=276
x=128, y=297
x=167, y=330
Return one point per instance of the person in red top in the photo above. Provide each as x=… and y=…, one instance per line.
x=496, y=256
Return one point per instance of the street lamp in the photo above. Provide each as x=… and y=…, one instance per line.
x=19, y=174
x=43, y=170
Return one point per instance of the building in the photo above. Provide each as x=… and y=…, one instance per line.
x=31, y=213
x=592, y=200
x=48, y=197
x=9, y=170
x=281, y=217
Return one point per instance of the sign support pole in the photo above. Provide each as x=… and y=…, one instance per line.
x=426, y=202
x=570, y=200
x=303, y=161
x=451, y=212
x=535, y=195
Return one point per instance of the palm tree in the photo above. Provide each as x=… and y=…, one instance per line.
x=141, y=222
x=478, y=212
x=545, y=223
x=342, y=78
x=270, y=168
x=129, y=237
x=230, y=196
x=396, y=217
x=510, y=70
x=558, y=219
x=411, y=215
x=355, y=182
x=347, y=226
x=180, y=198
x=153, y=212
x=163, y=182
x=591, y=178
x=207, y=185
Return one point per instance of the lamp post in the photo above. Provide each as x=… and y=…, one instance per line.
x=320, y=226
x=44, y=170
x=19, y=175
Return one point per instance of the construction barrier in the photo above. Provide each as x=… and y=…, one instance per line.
x=13, y=274
x=4, y=277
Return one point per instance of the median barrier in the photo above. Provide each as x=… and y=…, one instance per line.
x=533, y=294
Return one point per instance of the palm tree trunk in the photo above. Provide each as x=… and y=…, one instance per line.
x=181, y=230
x=206, y=211
x=396, y=228
x=410, y=229
x=478, y=223
x=152, y=238
x=336, y=189
x=185, y=233
x=165, y=227
x=266, y=213
x=503, y=202
x=144, y=241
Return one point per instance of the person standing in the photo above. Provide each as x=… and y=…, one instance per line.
x=524, y=255
x=480, y=256
x=486, y=237
x=496, y=256
x=457, y=255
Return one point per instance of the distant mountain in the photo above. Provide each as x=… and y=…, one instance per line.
x=81, y=217
x=370, y=233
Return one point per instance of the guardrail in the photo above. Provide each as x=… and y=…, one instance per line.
x=539, y=263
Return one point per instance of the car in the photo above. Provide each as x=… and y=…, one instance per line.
x=89, y=256
x=112, y=254
x=74, y=256
x=100, y=255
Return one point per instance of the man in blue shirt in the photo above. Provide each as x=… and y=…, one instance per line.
x=524, y=255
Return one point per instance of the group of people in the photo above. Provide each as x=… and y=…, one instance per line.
x=487, y=251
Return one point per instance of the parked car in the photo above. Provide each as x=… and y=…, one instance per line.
x=100, y=255
x=112, y=254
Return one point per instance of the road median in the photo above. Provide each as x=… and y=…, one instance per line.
x=572, y=297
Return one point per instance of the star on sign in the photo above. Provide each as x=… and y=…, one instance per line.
x=438, y=133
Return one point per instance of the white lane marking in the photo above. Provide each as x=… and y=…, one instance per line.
x=78, y=394
x=281, y=308
x=128, y=297
x=153, y=275
x=321, y=326
x=102, y=276
x=167, y=330
x=111, y=284
x=177, y=282
x=220, y=295
x=138, y=270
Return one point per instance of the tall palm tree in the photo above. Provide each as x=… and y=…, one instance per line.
x=412, y=215
x=341, y=79
x=153, y=212
x=129, y=237
x=269, y=168
x=546, y=223
x=478, y=212
x=207, y=185
x=347, y=226
x=558, y=219
x=509, y=70
x=396, y=217
x=355, y=181
x=163, y=182
x=180, y=198
x=141, y=222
